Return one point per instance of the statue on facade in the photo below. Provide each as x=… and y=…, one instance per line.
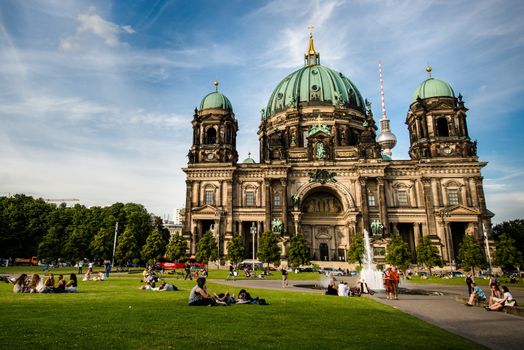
x=321, y=153
x=376, y=227
x=276, y=225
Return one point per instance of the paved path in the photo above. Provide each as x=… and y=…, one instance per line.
x=495, y=330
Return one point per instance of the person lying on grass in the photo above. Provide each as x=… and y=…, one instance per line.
x=499, y=303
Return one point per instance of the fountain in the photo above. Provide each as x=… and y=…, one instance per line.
x=369, y=273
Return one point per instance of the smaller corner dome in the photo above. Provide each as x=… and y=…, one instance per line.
x=215, y=100
x=433, y=88
x=249, y=160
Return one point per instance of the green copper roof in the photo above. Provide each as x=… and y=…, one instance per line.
x=433, y=88
x=249, y=160
x=314, y=84
x=216, y=100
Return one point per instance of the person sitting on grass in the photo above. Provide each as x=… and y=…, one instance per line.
x=21, y=284
x=507, y=300
x=100, y=277
x=87, y=275
x=49, y=283
x=495, y=293
x=477, y=295
x=332, y=289
x=37, y=286
x=60, y=285
x=72, y=285
x=199, y=296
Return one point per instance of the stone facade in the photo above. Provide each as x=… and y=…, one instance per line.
x=322, y=175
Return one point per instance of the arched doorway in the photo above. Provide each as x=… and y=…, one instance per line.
x=323, y=225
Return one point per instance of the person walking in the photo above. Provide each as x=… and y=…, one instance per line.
x=107, y=265
x=231, y=273
x=284, y=278
x=395, y=280
x=469, y=282
x=388, y=284
x=80, y=266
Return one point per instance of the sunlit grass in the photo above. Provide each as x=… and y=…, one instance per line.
x=116, y=314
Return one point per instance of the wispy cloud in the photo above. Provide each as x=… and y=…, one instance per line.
x=91, y=24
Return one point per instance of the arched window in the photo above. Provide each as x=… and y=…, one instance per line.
x=442, y=127
x=211, y=136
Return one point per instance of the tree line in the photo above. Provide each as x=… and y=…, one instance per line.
x=508, y=254
x=32, y=227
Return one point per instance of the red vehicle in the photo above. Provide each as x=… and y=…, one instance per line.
x=180, y=265
x=29, y=261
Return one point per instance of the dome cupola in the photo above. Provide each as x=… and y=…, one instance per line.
x=432, y=87
x=216, y=100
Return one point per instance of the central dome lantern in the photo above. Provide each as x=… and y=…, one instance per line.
x=313, y=85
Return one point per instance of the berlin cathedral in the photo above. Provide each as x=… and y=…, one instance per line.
x=326, y=171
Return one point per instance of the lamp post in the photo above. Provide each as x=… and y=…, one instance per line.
x=488, y=253
x=444, y=213
x=114, y=244
x=253, y=231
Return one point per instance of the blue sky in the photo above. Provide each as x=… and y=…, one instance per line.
x=96, y=97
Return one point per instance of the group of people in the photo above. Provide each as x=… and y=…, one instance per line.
x=34, y=284
x=343, y=289
x=99, y=276
x=199, y=296
x=391, y=281
x=497, y=300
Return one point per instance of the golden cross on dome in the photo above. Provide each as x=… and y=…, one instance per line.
x=311, y=28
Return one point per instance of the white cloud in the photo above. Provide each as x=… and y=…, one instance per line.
x=92, y=24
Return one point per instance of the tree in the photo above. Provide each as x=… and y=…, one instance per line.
x=154, y=248
x=177, y=247
x=427, y=254
x=356, y=250
x=507, y=255
x=127, y=248
x=470, y=254
x=298, y=251
x=207, y=248
x=50, y=246
x=235, y=249
x=397, y=252
x=268, y=249
x=101, y=244
x=514, y=229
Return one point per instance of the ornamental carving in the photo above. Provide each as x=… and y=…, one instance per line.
x=322, y=176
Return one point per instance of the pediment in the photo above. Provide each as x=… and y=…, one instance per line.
x=462, y=210
x=205, y=209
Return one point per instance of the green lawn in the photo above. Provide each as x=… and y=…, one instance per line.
x=116, y=314
x=459, y=281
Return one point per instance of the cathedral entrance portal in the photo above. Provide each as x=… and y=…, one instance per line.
x=323, y=226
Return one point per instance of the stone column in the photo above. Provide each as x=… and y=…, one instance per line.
x=382, y=203
x=284, y=200
x=416, y=233
x=229, y=207
x=428, y=201
x=474, y=195
x=364, y=194
x=267, y=185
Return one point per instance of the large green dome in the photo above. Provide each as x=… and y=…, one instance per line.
x=314, y=85
x=216, y=100
x=433, y=88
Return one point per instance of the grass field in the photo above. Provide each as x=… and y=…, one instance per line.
x=115, y=314
x=459, y=281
